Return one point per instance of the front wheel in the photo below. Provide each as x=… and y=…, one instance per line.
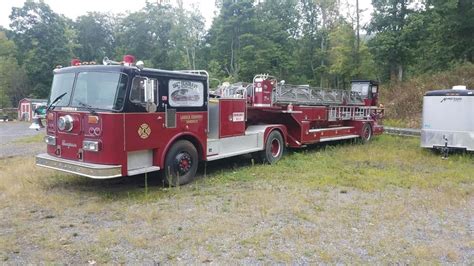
x=274, y=148
x=181, y=163
x=366, y=133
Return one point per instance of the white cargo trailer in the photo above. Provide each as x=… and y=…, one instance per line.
x=448, y=119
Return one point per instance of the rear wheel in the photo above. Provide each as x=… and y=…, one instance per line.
x=181, y=163
x=366, y=133
x=274, y=148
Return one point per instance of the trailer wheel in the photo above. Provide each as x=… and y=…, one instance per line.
x=274, y=148
x=366, y=133
x=181, y=163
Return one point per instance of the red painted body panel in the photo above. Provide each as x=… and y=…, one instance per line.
x=232, y=114
x=263, y=93
x=302, y=119
x=111, y=138
x=188, y=124
x=281, y=128
x=119, y=134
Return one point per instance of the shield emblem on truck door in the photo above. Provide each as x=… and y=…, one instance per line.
x=144, y=131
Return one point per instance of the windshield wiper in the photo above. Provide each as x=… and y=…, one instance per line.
x=53, y=103
x=88, y=107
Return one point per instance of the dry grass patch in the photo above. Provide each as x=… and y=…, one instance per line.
x=38, y=138
x=403, y=100
x=388, y=202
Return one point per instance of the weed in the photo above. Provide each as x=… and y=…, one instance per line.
x=403, y=100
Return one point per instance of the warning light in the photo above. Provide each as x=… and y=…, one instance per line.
x=128, y=59
x=75, y=62
x=93, y=119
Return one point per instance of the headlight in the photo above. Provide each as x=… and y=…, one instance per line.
x=50, y=140
x=65, y=123
x=89, y=145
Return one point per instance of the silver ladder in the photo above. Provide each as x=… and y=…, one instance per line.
x=336, y=113
x=303, y=94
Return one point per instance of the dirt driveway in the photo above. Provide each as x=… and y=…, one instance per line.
x=16, y=139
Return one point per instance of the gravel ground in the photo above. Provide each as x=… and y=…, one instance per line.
x=330, y=227
x=51, y=218
x=11, y=134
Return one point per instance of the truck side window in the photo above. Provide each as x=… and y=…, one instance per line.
x=374, y=89
x=144, y=90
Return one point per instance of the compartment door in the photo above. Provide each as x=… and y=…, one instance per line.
x=232, y=117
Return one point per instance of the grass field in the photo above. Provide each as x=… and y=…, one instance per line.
x=387, y=202
x=30, y=139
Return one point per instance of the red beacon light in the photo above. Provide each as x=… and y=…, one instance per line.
x=75, y=62
x=128, y=60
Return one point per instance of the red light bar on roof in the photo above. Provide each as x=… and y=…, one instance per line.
x=75, y=62
x=128, y=59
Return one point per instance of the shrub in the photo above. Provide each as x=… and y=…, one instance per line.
x=404, y=100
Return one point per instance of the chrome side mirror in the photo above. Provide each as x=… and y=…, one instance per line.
x=150, y=106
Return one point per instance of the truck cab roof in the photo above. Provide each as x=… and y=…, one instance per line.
x=129, y=70
x=374, y=82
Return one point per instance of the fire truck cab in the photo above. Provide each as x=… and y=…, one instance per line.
x=121, y=119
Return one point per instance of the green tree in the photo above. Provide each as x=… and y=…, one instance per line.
x=236, y=23
x=308, y=54
x=389, y=45
x=442, y=34
x=318, y=18
x=342, y=54
x=346, y=62
x=40, y=35
x=162, y=35
x=12, y=77
x=188, y=33
x=94, y=36
x=277, y=31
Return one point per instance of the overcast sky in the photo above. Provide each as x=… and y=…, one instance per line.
x=75, y=8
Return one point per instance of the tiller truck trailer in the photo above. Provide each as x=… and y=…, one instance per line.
x=121, y=119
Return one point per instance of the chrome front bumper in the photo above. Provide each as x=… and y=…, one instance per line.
x=97, y=171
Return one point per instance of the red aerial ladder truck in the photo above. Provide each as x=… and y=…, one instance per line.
x=120, y=119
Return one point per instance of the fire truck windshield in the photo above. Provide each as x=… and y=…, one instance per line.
x=62, y=83
x=361, y=88
x=94, y=90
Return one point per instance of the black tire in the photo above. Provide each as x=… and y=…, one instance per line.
x=274, y=148
x=181, y=163
x=366, y=133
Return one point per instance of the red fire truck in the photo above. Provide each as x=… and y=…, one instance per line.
x=121, y=119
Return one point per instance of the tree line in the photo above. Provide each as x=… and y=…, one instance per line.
x=315, y=42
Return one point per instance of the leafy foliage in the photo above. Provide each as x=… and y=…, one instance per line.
x=421, y=38
x=301, y=41
x=12, y=77
x=404, y=99
x=40, y=35
x=94, y=36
